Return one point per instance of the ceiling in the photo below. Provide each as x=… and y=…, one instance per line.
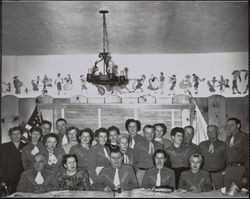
x=134, y=27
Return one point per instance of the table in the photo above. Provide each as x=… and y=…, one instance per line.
x=137, y=193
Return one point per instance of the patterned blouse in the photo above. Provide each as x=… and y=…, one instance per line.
x=77, y=182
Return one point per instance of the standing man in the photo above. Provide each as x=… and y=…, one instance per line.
x=144, y=151
x=133, y=126
x=71, y=133
x=46, y=127
x=237, y=154
x=11, y=161
x=61, y=126
x=117, y=175
x=188, y=137
x=179, y=153
x=214, y=153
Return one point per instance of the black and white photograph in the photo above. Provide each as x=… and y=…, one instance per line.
x=127, y=99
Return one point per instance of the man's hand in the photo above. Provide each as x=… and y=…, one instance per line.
x=107, y=189
x=195, y=189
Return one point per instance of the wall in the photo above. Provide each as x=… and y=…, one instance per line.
x=205, y=65
x=209, y=107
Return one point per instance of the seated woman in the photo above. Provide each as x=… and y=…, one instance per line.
x=34, y=147
x=128, y=153
x=160, y=131
x=98, y=155
x=53, y=153
x=113, y=133
x=159, y=176
x=84, y=138
x=195, y=180
x=72, y=177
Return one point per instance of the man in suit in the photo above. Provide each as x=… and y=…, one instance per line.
x=117, y=175
x=188, y=137
x=61, y=126
x=11, y=160
x=37, y=179
x=237, y=154
x=144, y=151
x=214, y=153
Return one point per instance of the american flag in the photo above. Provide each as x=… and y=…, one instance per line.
x=35, y=119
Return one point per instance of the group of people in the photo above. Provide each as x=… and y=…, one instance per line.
x=107, y=160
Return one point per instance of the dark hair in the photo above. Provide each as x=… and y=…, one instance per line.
x=46, y=122
x=138, y=124
x=65, y=158
x=117, y=150
x=237, y=121
x=61, y=119
x=177, y=130
x=42, y=154
x=37, y=129
x=113, y=128
x=189, y=127
x=101, y=130
x=70, y=128
x=15, y=128
x=86, y=130
x=148, y=126
x=53, y=135
x=166, y=155
x=163, y=126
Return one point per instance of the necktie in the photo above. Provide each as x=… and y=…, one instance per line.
x=64, y=140
x=132, y=143
x=39, y=178
x=34, y=151
x=158, y=179
x=151, y=148
x=231, y=141
x=126, y=159
x=106, y=153
x=116, y=178
x=211, y=148
x=52, y=159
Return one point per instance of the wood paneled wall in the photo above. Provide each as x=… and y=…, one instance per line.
x=215, y=110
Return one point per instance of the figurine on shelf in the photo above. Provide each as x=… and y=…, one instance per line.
x=153, y=83
x=17, y=85
x=186, y=84
x=68, y=83
x=246, y=79
x=172, y=80
x=58, y=83
x=34, y=85
x=140, y=83
x=83, y=84
x=162, y=82
x=196, y=81
x=211, y=87
x=236, y=76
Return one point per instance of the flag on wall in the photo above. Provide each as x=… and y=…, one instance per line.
x=200, y=127
x=35, y=120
